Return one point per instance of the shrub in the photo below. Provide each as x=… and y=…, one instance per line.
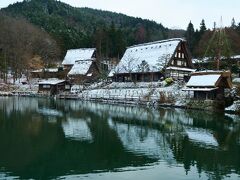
x=169, y=81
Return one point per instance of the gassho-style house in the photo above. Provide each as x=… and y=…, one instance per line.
x=81, y=65
x=154, y=61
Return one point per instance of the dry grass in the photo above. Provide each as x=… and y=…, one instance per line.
x=166, y=98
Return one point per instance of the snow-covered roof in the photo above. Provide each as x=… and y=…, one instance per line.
x=199, y=89
x=203, y=80
x=148, y=57
x=51, y=81
x=47, y=70
x=81, y=67
x=180, y=69
x=78, y=54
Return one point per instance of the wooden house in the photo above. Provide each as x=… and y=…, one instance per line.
x=84, y=71
x=74, y=55
x=154, y=61
x=53, y=86
x=209, y=85
x=47, y=73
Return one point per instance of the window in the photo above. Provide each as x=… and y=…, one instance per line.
x=46, y=86
x=67, y=86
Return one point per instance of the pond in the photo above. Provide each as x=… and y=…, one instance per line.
x=65, y=139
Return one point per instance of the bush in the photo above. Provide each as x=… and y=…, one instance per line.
x=169, y=81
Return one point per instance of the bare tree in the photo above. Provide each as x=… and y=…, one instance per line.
x=21, y=43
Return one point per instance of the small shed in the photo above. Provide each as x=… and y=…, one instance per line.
x=209, y=85
x=53, y=86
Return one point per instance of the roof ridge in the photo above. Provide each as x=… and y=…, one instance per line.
x=82, y=49
x=156, y=42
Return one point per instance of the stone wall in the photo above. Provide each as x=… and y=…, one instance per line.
x=210, y=105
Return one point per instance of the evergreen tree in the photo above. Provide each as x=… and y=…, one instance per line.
x=198, y=36
x=202, y=27
x=238, y=28
x=233, y=24
x=190, y=36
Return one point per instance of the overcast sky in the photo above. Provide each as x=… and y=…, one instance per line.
x=171, y=13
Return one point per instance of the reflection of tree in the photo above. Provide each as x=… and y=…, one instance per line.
x=172, y=125
x=220, y=160
x=31, y=145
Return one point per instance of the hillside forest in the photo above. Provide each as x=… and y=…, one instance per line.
x=37, y=33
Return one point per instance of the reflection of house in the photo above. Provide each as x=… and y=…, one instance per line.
x=147, y=62
x=84, y=71
x=209, y=84
x=74, y=55
x=53, y=86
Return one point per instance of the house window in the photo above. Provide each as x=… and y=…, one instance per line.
x=67, y=87
x=179, y=63
x=46, y=86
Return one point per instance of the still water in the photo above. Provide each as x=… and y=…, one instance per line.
x=58, y=139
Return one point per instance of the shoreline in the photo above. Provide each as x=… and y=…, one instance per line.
x=149, y=104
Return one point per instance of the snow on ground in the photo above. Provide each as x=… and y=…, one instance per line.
x=138, y=92
x=236, y=80
x=234, y=107
x=19, y=85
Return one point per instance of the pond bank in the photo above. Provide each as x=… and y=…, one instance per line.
x=146, y=94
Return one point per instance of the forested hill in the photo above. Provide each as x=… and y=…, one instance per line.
x=84, y=27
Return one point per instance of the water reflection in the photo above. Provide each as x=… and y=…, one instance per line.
x=44, y=139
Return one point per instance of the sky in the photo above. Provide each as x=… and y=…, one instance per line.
x=171, y=13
